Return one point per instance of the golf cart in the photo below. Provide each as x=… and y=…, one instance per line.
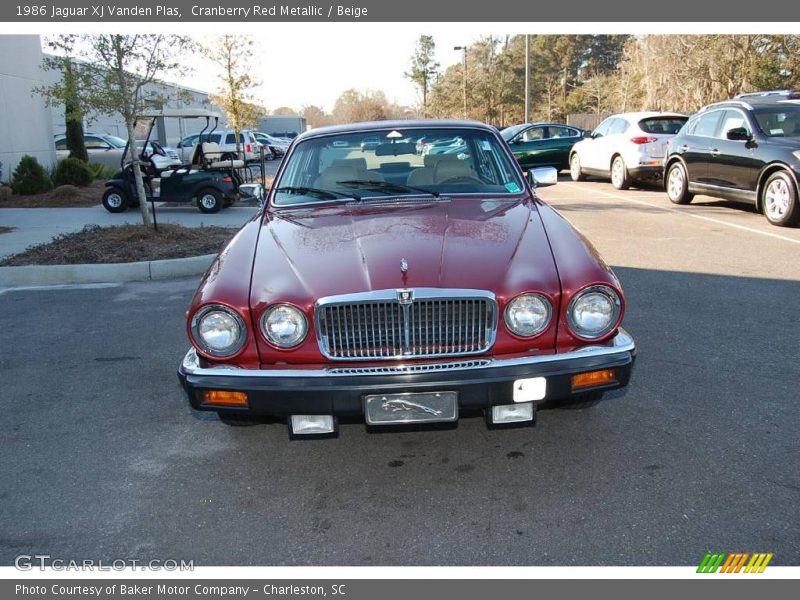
x=207, y=179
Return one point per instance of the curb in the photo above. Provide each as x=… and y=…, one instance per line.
x=104, y=273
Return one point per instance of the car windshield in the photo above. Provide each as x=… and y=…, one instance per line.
x=510, y=132
x=115, y=141
x=779, y=120
x=662, y=125
x=362, y=165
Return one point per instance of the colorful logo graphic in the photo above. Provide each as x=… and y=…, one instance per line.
x=734, y=562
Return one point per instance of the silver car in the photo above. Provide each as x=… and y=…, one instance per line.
x=108, y=149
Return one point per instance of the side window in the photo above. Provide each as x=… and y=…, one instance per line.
x=732, y=119
x=562, y=132
x=94, y=143
x=230, y=139
x=532, y=134
x=61, y=144
x=602, y=129
x=618, y=126
x=707, y=124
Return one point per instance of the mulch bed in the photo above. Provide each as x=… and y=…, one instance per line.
x=64, y=196
x=125, y=243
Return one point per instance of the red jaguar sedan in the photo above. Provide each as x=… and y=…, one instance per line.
x=402, y=288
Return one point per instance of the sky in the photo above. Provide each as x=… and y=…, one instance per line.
x=298, y=70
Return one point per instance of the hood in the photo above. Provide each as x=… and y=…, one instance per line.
x=307, y=253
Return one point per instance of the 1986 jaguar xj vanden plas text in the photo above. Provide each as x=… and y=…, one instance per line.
x=404, y=288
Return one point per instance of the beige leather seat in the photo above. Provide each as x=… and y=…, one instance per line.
x=424, y=175
x=453, y=169
x=360, y=165
x=212, y=155
x=329, y=178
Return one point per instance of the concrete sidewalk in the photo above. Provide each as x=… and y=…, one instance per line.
x=39, y=225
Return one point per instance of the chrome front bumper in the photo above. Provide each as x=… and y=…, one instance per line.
x=338, y=389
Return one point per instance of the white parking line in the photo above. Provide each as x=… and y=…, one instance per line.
x=777, y=236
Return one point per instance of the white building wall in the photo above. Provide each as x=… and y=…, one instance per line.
x=26, y=126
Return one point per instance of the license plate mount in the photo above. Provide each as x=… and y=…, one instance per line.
x=411, y=407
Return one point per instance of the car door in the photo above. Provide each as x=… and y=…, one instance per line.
x=100, y=151
x=591, y=149
x=694, y=147
x=186, y=147
x=735, y=163
x=528, y=147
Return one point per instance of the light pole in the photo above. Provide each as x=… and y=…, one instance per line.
x=464, y=49
x=527, y=78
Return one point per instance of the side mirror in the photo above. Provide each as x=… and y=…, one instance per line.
x=252, y=190
x=516, y=140
x=738, y=134
x=587, y=134
x=542, y=177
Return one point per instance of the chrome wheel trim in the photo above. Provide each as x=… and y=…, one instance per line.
x=575, y=166
x=777, y=199
x=208, y=201
x=617, y=171
x=114, y=200
x=675, y=183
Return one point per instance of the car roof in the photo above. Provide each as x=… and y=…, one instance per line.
x=638, y=116
x=396, y=124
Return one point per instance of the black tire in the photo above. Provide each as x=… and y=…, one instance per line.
x=228, y=156
x=579, y=401
x=115, y=200
x=209, y=200
x=575, y=168
x=676, y=184
x=779, y=200
x=619, y=174
x=234, y=419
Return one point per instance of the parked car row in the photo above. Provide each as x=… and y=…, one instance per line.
x=746, y=149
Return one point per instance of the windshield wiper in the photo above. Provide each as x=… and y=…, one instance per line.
x=386, y=186
x=328, y=194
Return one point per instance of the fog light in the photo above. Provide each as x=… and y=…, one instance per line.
x=225, y=398
x=593, y=378
x=512, y=413
x=311, y=424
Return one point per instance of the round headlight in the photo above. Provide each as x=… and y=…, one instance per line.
x=284, y=325
x=528, y=315
x=594, y=312
x=218, y=330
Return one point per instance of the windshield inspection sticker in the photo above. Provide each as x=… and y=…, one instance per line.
x=512, y=187
x=776, y=131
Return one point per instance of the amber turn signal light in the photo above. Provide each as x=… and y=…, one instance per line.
x=593, y=378
x=225, y=398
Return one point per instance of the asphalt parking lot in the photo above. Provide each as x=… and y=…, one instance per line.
x=104, y=459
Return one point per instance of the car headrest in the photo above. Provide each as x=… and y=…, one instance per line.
x=431, y=160
x=358, y=163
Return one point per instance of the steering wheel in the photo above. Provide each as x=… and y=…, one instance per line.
x=157, y=149
x=463, y=179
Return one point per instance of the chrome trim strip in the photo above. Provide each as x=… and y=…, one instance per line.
x=621, y=344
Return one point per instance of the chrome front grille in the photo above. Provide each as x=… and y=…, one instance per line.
x=431, y=323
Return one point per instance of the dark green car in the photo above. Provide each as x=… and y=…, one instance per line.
x=542, y=144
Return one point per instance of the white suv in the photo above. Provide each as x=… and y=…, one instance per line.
x=626, y=147
x=226, y=138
